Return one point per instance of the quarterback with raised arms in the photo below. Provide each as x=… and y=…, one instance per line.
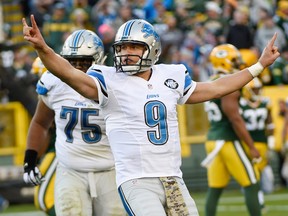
x=138, y=98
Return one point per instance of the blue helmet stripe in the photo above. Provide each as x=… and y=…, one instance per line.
x=127, y=29
x=77, y=38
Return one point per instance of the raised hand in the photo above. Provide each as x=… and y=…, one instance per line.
x=33, y=34
x=270, y=53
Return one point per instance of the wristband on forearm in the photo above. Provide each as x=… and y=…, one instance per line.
x=256, y=69
x=30, y=158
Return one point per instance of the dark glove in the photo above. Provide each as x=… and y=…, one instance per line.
x=31, y=172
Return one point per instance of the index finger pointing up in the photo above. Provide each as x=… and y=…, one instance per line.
x=272, y=41
x=24, y=22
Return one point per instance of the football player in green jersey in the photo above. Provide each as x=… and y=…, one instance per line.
x=229, y=146
x=256, y=112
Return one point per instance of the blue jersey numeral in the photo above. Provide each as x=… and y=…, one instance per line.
x=91, y=133
x=156, y=118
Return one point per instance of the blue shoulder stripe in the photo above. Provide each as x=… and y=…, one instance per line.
x=99, y=76
x=40, y=88
x=188, y=82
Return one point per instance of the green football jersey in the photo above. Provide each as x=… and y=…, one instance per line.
x=255, y=118
x=220, y=126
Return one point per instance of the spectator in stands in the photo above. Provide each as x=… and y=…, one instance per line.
x=58, y=27
x=281, y=17
x=171, y=38
x=17, y=84
x=239, y=32
x=215, y=23
x=80, y=20
x=107, y=35
x=264, y=32
x=42, y=10
x=104, y=12
x=125, y=13
x=84, y=4
x=256, y=7
x=154, y=11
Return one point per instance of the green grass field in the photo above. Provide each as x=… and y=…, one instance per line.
x=231, y=203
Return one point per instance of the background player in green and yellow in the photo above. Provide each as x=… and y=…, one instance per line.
x=256, y=112
x=229, y=146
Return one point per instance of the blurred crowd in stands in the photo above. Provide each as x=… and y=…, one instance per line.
x=188, y=31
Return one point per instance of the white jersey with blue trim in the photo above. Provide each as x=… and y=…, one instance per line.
x=81, y=141
x=141, y=119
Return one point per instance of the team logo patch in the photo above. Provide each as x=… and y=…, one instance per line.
x=170, y=83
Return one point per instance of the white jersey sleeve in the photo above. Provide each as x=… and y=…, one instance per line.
x=141, y=119
x=81, y=141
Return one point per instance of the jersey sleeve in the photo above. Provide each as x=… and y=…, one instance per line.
x=188, y=88
x=44, y=85
x=98, y=77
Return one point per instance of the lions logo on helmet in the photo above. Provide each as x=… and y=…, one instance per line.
x=137, y=31
x=253, y=90
x=225, y=58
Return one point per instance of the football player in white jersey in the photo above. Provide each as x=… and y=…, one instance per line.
x=139, y=98
x=85, y=174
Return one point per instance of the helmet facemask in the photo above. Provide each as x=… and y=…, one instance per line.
x=143, y=64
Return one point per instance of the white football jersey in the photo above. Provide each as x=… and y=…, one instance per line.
x=81, y=141
x=141, y=119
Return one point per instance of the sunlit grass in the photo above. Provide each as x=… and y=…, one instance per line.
x=231, y=203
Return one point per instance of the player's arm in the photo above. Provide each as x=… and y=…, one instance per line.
x=39, y=126
x=227, y=84
x=57, y=65
x=37, y=139
x=230, y=107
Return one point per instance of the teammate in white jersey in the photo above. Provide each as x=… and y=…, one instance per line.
x=85, y=175
x=139, y=101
